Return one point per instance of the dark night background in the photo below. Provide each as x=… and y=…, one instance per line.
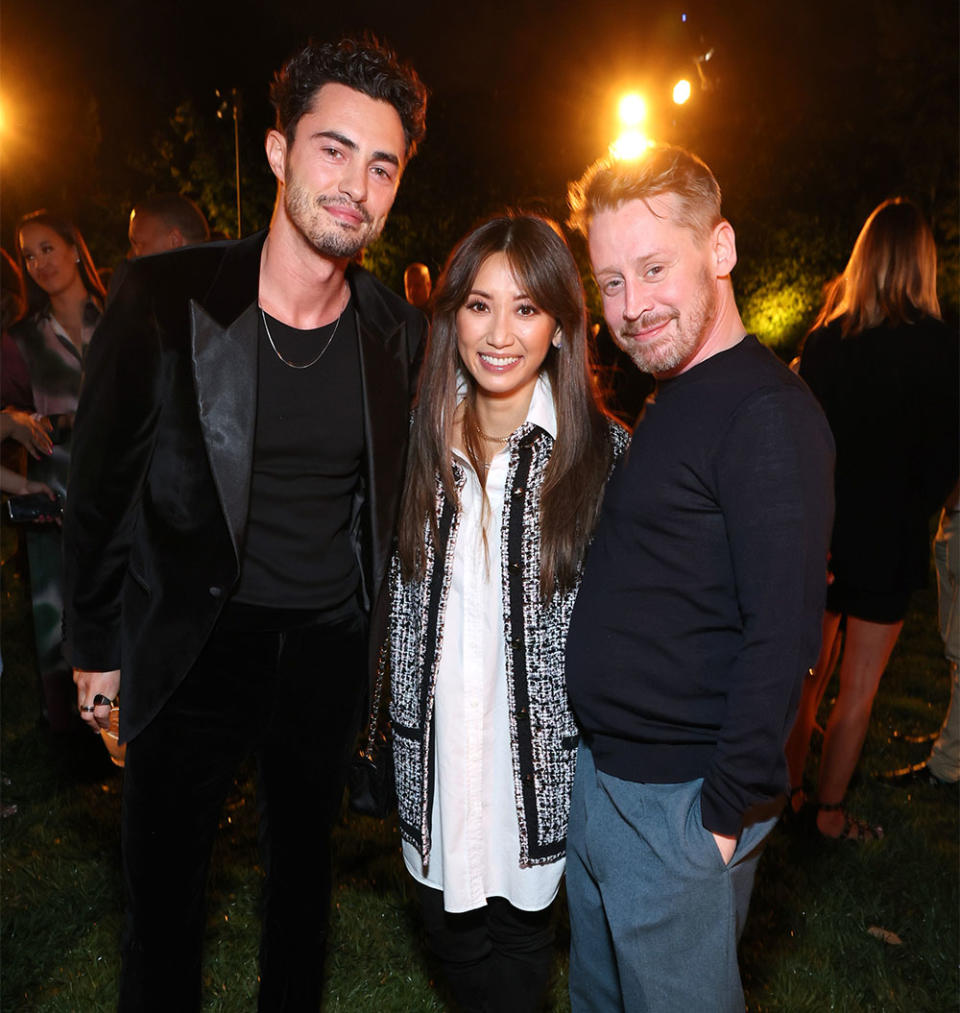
x=814, y=113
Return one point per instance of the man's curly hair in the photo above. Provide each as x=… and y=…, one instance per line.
x=363, y=63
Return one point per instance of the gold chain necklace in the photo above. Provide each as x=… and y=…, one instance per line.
x=294, y=365
x=502, y=440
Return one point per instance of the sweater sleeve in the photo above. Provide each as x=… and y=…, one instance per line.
x=773, y=471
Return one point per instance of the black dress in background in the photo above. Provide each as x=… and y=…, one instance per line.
x=892, y=397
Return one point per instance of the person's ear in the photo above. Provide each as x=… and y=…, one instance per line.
x=276, y=148
x=723, y=247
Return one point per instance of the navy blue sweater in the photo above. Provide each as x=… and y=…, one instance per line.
x=702, y=601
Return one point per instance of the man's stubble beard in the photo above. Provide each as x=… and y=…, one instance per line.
x=673, y=350
x=332, y=240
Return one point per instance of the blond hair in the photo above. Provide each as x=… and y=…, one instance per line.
x=662, y=169
x=891, y=276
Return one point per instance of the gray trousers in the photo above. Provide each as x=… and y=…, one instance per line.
x=944, y=760
x=655, y=915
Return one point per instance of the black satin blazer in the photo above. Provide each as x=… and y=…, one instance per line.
x=162, y=455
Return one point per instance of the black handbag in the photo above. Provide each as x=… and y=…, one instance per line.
x=370, y=780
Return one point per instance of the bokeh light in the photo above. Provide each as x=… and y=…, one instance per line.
x=630, y=144
x=681, y=91
x=632, y=109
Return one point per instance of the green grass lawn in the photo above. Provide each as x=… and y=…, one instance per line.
x=808, y=944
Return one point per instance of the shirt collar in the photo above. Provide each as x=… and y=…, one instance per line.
x=542, y=411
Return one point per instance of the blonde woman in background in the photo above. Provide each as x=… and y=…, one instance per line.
x=885, y=369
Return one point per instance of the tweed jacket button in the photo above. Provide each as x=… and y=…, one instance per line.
x=519, y=491
x=516, y=567
x=516, y=643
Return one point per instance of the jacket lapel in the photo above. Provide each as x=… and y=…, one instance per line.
x=385, y=372
x=224, y=350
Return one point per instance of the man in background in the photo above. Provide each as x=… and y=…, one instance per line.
x=417, y=285
x=942, y=766
x=163, y=222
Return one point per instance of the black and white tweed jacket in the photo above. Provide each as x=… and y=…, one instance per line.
x=543, y=731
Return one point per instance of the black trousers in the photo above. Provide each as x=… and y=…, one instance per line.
x=495, y=959
x=287, y=686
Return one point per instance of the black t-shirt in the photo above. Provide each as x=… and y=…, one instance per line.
x=308, y=448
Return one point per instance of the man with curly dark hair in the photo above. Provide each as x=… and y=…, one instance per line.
x=239, y=450
x=359, y=63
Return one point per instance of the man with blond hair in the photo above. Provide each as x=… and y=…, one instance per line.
x=700, y=606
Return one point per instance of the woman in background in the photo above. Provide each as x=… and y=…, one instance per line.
x=509, y=456
x=16, y=398
x=884, y=368
x=64, y=303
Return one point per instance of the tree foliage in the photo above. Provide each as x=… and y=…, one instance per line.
x=194, y=154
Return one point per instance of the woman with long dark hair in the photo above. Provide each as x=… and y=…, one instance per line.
x=64, y=304
x=884, y=368
x=509, y=455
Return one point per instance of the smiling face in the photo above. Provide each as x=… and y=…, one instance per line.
x=502, y=336
x=340, y=173
x=49, y=259
x=658, y=281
